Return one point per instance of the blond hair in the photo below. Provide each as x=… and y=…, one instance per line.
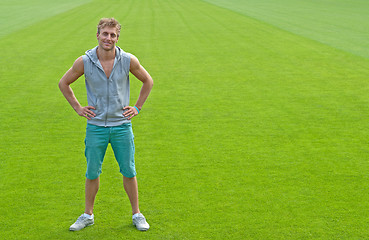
x=108, y=22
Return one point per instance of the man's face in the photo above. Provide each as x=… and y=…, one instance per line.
x=107, y=38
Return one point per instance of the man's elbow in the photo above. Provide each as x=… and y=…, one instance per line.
x=148, y=82
x=62, y=84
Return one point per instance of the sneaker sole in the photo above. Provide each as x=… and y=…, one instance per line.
x=141, y=229
x=75, y=230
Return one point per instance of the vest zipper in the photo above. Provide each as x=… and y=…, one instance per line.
x=107, y=94
x=107, y=104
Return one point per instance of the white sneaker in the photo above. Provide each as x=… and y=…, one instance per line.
x=82, y=222
x=140, y=222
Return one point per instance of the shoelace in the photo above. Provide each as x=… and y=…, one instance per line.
x=81, y=219
x=140, y=219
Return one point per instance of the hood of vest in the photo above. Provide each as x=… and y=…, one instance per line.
x=92, y=55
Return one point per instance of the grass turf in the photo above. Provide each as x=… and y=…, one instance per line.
x=251, y=132
x=16, y=15
x=341, y=24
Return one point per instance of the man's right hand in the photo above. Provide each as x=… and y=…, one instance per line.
x=86, y=112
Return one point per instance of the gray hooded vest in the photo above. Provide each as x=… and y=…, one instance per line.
x=108, y=95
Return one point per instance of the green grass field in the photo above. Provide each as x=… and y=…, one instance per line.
x=253, y=130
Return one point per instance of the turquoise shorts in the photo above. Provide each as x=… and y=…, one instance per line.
x=121, y=140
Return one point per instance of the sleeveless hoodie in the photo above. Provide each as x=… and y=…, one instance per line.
x=108, y=95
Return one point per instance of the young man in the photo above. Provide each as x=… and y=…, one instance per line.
x=106, y=68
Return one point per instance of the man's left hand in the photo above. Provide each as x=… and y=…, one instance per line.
x=130, y=112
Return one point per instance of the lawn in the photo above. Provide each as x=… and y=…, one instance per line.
x=252, y=130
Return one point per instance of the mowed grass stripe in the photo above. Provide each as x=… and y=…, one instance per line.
x=23, y=13
x=340, y=24
x=239, y=129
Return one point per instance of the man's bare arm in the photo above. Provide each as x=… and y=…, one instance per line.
x=69, y=77
x=141, y=74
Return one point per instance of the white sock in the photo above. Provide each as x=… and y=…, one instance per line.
x=88, y=215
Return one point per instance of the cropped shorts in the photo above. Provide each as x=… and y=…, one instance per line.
x=121, y=140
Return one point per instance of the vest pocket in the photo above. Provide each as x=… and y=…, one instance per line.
x=116, y=108
x=99, y=109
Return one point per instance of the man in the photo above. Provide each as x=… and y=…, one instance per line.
x=106, y=68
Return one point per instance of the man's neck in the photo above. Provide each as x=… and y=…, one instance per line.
x=104, y=55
